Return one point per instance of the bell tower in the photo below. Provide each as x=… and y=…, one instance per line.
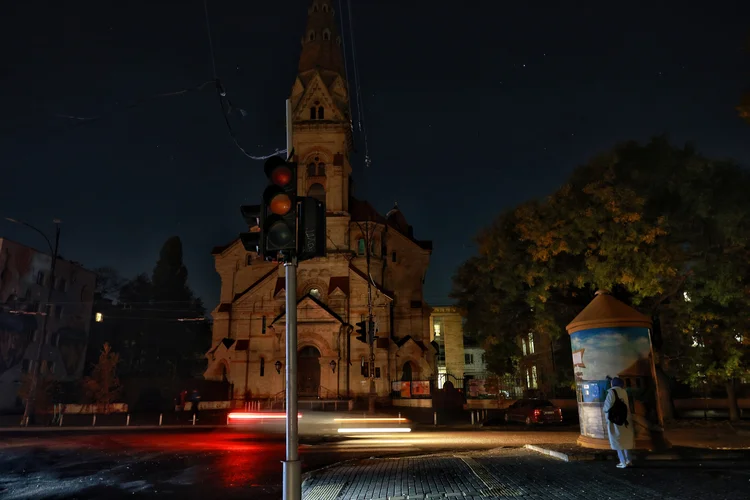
x=321, y=125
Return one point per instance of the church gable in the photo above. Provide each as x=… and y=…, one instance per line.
x=317, y=96
x=263, y=285
x=310, y=310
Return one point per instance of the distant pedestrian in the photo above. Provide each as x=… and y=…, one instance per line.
x=619, y=422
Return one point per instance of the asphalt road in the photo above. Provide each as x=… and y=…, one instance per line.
x=200, y=463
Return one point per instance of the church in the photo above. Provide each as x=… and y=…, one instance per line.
x=372, y=260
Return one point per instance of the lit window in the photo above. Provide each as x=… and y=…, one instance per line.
x=531, y=343
x=361, y=246
x=315, y=292
x=533, y=377
x=523, y=346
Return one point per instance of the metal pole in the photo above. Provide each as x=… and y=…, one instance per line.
x=31, y=399
x=292, y=466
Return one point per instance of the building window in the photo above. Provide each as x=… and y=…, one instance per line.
x=484, y=359
x=315, y=292
x=533, y=377
x=437, y=326
x=325, y=7
x=315, y=7
x=366, y=369
x=263, y=325
x=40, y=278
x=326, y=35
x=377, y=372
x=58, y=312
x=338, y=40
x=531, y=342
x=312, y=36
x=523, y=346
x=469, y=359
x=262, y=367
x=249, y=260
x=393, y=257
x=321, y=113
x=321, y=169
x=312, y=113
x=361, y=246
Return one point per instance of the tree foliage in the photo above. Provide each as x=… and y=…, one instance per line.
x=102, y=387
x=158, y=325
x=646, y=222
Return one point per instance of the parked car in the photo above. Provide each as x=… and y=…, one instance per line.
x=534, y=411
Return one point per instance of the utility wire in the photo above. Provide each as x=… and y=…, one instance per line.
x=222, y=95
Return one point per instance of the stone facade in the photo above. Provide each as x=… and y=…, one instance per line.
x=333, y=291
x=24, y=282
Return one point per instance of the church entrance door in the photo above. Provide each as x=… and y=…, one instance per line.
x=308, y=361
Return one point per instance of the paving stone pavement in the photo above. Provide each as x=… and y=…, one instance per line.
x=521, y=474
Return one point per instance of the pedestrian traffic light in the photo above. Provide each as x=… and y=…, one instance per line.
x=311, y=235
x=362, y=331
x=279, y=224
x=253, y=241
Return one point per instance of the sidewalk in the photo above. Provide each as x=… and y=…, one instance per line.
x=689, y=440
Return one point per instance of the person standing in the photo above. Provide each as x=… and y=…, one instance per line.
x=619, y=422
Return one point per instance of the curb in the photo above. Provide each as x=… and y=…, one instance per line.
x=652, y=457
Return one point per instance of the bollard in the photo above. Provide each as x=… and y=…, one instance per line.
x=434, y=418
x=193, y=418
x=472, y=417
x=93, y=423
x=61, y=419
x=399, y=416
x=160, y=418
x=127, y=420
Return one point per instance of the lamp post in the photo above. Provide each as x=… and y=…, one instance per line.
x=36, y=368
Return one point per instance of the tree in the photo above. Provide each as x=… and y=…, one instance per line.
x=103, y=386
x=646, y=222
x=108, y=282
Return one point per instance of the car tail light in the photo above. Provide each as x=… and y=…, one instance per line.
x=537, y=412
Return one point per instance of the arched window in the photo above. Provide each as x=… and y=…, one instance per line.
x=312, y=113
x=325, y=7
x=311, y=170
x=311, y=36
x=315, y=7
x=249, y=261
x=321, y=113
x=326, y=34
x=361, y=246
x=224, y=374
x=338, y=40
x=318, y=192
x=322, y=169
x=315, y=292
x=262, y=367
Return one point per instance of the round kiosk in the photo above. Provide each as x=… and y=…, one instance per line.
x=611, y=339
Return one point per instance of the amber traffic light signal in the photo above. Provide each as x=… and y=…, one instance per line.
x=279, y=210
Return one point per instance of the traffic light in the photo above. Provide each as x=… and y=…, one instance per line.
x=362, y=331
x=279, y=211
x=253, y=241
x=372, y=335
x=311, y=235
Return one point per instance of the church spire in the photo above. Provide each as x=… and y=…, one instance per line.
x=321, y=43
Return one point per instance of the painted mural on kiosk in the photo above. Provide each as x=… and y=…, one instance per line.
x=599, y=355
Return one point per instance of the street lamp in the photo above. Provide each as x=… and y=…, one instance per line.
x=31, y=399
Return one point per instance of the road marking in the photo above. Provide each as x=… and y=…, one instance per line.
x=325, y=491
x=493, y=485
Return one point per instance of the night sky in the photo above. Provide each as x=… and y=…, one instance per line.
x=470, y=109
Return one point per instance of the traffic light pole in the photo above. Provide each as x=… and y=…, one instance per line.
x=292, y=467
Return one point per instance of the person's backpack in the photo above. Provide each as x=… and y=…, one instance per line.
x=618, y=412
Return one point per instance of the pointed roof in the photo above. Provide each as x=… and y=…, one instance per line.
x=321, y=43
x=606, y=311
x=317, y=303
